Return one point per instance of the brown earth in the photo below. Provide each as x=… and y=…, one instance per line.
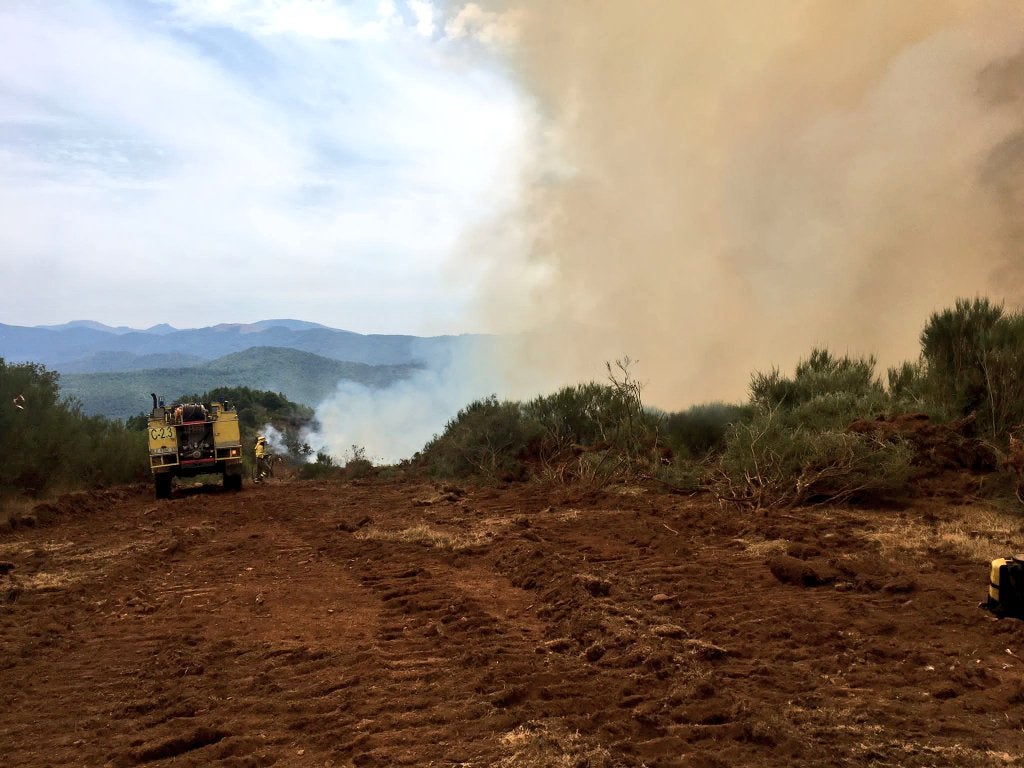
x=388, y=623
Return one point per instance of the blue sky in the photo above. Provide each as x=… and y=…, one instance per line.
x=230, y=160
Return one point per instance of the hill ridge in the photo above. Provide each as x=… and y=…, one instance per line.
x=301, y=376
x=71, y=349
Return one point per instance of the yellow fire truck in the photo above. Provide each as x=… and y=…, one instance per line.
x=189, y=439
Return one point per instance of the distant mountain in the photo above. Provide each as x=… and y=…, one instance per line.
x=106, y=362
x=262, y=325
x=66, y=347
x=300, y=376
x=92, y=324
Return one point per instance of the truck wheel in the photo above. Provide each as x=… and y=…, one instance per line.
x=162, y=485
x=232, y=482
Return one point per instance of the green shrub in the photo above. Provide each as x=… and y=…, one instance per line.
x=589, y=433
x=910, y=389
x=608, y=416
x=952, y=344
x=820, y=374
x=794, y=447
x=488, y=437
x=357, y=465
x=48, y=444
x=974, y=355
x=323, y=467
x=701, y=429
x=771, y=460
x=583, y=414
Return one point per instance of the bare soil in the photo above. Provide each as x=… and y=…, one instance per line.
x=391, y=623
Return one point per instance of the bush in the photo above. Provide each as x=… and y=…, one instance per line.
x=701, y=429
x=487, y=437
x=357, y=465
x=323, y=467
x=952, y=344
x=974, y=355
x=909, y=388
x=592, y=433
x=794, y=447
x=47, y=443
x=820, y=374
x=597, y=417
x=772, y=461
x=584, y=414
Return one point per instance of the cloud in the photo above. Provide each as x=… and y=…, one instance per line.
x=321, y=20
x=202, y=162
x=423, y=10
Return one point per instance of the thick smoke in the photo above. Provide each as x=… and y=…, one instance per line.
x=724, y=185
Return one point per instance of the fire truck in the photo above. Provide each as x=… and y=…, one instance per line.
x=189, y=439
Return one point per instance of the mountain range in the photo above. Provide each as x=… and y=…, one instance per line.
x=73, y=347
x=112, y=370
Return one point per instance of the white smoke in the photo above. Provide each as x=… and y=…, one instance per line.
x=275, y=439
x=394, y=422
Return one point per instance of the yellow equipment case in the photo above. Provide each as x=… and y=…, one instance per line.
x=1006, y=587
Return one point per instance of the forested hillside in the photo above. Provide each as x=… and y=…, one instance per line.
x=301, y=376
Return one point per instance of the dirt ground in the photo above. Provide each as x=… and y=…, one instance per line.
x=391, y=623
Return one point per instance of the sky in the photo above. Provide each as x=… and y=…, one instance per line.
x=205, y=161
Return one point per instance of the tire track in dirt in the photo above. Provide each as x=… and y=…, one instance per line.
x=440, y=631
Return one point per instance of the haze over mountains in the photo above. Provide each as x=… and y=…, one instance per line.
x=112, y=370
x=74, y=346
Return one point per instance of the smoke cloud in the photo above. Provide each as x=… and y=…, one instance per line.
x=394, y=422
x=721, y=186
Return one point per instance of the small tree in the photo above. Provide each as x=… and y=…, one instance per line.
x=953, y=345
x=974, y=354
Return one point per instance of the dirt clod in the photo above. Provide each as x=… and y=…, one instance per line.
x=791, y=570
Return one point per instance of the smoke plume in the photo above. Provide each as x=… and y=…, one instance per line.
x=721, y=186
x=392, y=423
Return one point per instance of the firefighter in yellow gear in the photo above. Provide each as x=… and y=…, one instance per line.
x=261, y=458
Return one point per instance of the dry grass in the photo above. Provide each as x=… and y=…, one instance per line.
x=974, y=533
x=876, y=745
x=49, y=580
x=424, y=535
x=766, y=548
x=539, y=745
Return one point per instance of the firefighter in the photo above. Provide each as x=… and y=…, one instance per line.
x=261, y=458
